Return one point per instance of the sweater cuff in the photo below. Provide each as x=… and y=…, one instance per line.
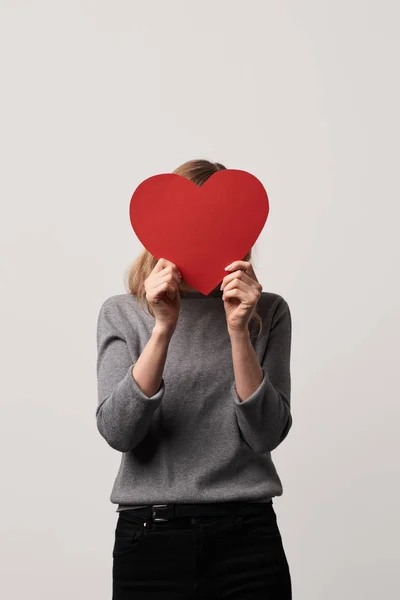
x=254, y=398
x=134, y=390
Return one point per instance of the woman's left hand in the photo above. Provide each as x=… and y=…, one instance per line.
x=241, y=291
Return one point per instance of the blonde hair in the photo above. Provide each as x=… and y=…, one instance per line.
x=197, y=171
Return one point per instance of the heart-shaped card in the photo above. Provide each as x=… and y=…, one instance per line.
x=200, y=229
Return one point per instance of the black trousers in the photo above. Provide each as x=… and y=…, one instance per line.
x=230, y=556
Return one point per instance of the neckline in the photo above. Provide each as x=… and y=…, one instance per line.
x=215, y=293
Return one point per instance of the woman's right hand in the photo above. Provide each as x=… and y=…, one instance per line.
x=162, y=293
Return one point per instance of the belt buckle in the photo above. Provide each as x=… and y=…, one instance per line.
x=154, y=507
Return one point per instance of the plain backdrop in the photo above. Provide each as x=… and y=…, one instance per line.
x=95, y=97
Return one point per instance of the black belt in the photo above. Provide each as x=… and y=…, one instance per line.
x=164, y=512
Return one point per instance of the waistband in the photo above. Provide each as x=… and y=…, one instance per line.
x=160, y=512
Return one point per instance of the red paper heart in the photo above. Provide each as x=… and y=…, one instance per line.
x=200, y=229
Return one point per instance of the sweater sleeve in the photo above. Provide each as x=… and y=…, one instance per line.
x=264, y=418
x=123, y=412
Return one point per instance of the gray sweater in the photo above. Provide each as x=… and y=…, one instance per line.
x=194, y=440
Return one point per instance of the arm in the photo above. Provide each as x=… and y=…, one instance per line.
x=128, y=394
x=149, y=367
x=261, y=393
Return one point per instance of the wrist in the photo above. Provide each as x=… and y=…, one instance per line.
x=239, y=334
x=163, y=332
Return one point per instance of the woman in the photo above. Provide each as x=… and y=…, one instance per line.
x=195, y=393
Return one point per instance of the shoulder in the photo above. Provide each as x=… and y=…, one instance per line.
x=111, y=303
x=272, y=306
x=117, y=304
x=120, y=308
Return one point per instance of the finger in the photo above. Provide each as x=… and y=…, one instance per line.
x=241, y=275
x=163, y=263
x=246, y=298
x=172, y=278
x=160, y=265
x=236, y=284
x=162, y=288
x=169, y=274
x=238, y=264
x=171, y=271
x=243, y=265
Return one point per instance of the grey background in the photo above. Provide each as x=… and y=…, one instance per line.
x=95, y=97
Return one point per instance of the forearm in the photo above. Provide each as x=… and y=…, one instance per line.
x=149, y=367
x=125, y=404
x=261, y=386
x=247, y=369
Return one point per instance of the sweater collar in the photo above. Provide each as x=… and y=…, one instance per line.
x=215, y=293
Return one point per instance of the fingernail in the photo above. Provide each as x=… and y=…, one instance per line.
x=228, y=267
